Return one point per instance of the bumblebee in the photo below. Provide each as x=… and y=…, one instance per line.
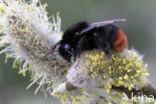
x=83, y=36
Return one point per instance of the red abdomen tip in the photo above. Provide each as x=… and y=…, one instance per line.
x=120, y=42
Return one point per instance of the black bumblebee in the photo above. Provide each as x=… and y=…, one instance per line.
x=83, y=36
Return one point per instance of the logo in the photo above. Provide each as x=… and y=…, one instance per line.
x=139, y=98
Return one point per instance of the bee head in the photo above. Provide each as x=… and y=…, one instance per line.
x=66, y=51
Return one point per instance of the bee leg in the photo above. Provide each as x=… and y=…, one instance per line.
x=79, y=49
x=78, y=56
x=52, y=50
x=78, y=62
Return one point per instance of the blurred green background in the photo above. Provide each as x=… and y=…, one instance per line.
x=140, y=29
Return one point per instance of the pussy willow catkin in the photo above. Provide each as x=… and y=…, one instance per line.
x=95, y=76
x=27, y=35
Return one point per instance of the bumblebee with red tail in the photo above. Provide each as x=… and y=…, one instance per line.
x=83, y=36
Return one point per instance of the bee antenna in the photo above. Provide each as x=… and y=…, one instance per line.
x=46, y=55
x=52, y=50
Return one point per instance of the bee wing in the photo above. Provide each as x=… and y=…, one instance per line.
x=103, y=23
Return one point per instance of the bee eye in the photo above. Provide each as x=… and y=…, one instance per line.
x=67, y=46
x=77, y=33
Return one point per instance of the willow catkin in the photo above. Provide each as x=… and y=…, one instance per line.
x=28, y=35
